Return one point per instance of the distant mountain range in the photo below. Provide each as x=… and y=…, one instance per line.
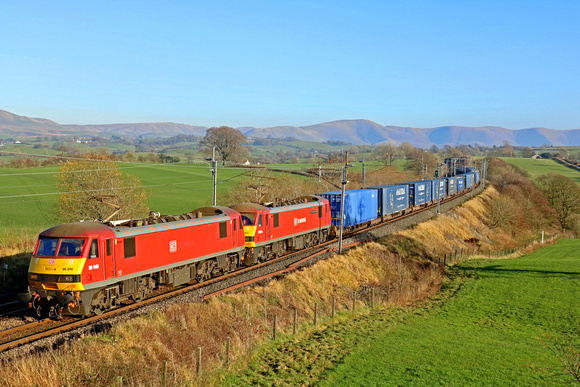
x=357, y=132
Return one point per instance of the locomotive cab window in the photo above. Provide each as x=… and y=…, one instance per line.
x=94, y=253
x=260, y=220
x=248, y=219
x=71, y=247
x=47, y=247
x=130, y=247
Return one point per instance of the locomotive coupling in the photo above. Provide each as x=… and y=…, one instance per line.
x=25, y=297
x=64, y=299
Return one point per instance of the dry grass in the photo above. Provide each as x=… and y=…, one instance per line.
x=466, y=228
x=137, y=350
x=401, y=272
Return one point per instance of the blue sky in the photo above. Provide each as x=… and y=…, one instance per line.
x=514, y=64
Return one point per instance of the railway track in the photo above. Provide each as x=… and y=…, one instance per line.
x=48, y=328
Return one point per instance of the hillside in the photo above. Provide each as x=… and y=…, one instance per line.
x=356, y=132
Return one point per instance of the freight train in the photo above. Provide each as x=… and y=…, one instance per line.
x=87, y=268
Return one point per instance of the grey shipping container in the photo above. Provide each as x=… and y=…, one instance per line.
x=360, y=206
x=391, y=198
x=451, y=185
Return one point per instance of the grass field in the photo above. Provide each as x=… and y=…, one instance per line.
x=27, y=196
x=483, y=330
x=542, y=167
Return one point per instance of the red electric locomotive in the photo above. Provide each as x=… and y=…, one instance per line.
x=84, y=268
x=271, y=230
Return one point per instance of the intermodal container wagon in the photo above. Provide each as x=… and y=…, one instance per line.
x=391, y=198
x=442, y=190
x=460, y=183
x=419, y=192
x=469, y=180
x=360, y=206
x=451, y=185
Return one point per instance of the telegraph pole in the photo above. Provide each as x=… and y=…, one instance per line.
x=422, y=169
x=483, y=174
x=341, y=209
x=214, y=173
x=342, y=196
x=363, y=172
x=438, y=189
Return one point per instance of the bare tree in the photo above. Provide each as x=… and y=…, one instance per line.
x=387, y=153
x=95, y=188
x=528, y=152
x=563, y=194
x=227, y=142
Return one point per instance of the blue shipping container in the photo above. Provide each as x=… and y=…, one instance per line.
x=441, y=188
x=360, y=206
x=419, y=192
x=476, y=176
x=469, y=180
x=460, y=183
x=392, y=198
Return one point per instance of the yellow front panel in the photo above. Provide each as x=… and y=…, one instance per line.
x=57, y=266
x=250, y=231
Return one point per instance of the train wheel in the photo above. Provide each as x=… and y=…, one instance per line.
x=204, y=270
x=75, y=309
x=55, y=311
x=137, y=297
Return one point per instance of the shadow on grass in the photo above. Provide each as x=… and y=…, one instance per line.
x=499, y=270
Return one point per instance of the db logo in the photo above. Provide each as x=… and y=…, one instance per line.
x=172, y=246
x=298, y=221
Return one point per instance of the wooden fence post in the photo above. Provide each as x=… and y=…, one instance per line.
x=372, y=298
x=198, y=368
x=315, y=314
x=295, y=321
x=353, y=301
x=227, y=351
x=274, y=328
x=333, y=306
x=164, y=374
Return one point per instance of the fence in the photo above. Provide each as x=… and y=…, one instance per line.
x=368, y=297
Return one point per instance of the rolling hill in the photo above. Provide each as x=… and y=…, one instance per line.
x=356, y=132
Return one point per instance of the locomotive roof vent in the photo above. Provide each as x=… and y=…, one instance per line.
x=157, y=218
x=280, y=202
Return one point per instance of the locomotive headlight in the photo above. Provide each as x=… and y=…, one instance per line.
x=65, y=278
x=33, y=276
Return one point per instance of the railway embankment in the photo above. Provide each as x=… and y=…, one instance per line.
x=202, y=342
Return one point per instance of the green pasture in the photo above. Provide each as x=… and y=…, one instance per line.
x=28, y=195
x=537, y=167
x=487, y=334
x=482, y=329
